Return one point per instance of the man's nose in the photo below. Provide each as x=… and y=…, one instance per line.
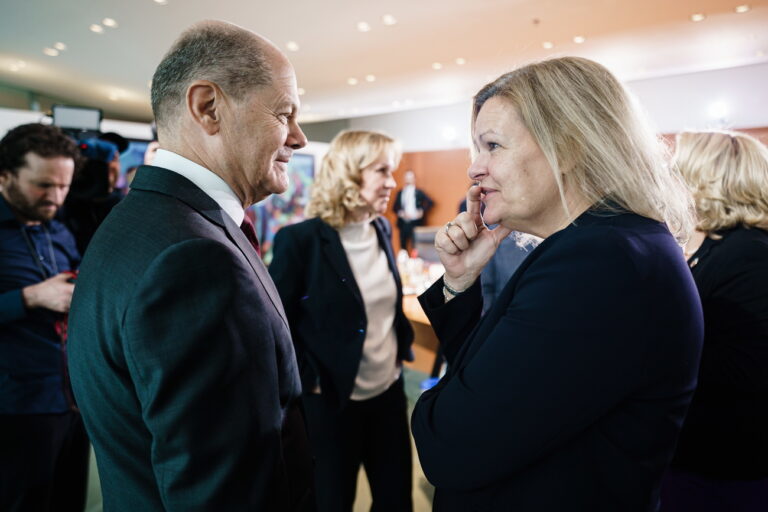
x=296, y=138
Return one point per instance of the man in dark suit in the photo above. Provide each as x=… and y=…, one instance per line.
x=411, y=206
x=180, y=353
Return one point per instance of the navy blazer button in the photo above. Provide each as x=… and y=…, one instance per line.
x=361, y=330
x=343, y=279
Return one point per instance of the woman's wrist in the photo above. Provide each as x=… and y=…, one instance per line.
x=457, y=286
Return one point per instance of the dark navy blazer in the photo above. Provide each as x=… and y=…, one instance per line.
x=324, y=306
x=570, y=393
x=181, y=360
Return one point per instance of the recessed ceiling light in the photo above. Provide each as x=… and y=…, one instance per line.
x=301, y=91
x=697, y=17
x=579, y=39
x=97, y=28
x=352, y=81
x=51, y=52
x=370, y=78
x=109, y=22
x=388, y=19
x=548, y=45
x=741, y=9
x=461, y=61
x=437, y=66
x=161, y=2
x=292, y=46
x=363, y=27
x=60, y=46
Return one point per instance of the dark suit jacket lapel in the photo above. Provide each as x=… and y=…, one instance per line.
x=158, y=179
x=383, y=235
x=334, y=251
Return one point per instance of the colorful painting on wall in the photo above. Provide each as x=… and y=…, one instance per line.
x=277, y=211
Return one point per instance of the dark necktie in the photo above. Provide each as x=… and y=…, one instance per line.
x=247, y=228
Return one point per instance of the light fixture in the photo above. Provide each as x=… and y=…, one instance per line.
x=116, y=94
x=161, y=2
x=98, y=29
x=370, y=78
x=292, y=46
x=352, y=81
x=51, y=52
x=741, y=9
x=301, y=91
x=579, y=39
x=363, y=27
x=548, y=45
x=388, y=19
x=437, y=66
x=60, y=46
x=109, y=22
x=461, y=61
x=697, y=17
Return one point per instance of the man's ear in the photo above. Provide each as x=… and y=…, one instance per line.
x=204, y=99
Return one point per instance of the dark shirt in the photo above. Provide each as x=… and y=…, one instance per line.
x=31, y=354
x=725, y=434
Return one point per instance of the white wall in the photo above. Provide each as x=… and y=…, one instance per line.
x=672, y=103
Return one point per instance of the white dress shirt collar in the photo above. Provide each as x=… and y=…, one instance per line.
x=210, y=183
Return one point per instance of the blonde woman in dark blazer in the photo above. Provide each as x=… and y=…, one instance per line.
x=721, y=462
x=569, y=393
x=338, y=280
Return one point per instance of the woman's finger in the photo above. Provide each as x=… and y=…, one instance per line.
x=457, y=235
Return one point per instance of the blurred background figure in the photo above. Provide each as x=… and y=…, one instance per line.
x=43, y=445
x=93, y=193
x=721, y=463
x=411, y=206
x=339, y=283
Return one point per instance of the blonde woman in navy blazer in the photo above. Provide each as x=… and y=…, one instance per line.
x=569, y=393
x=337, y=277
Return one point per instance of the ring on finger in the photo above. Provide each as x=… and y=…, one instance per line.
x=448, y=226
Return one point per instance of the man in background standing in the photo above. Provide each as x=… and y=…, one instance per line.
x=411, y=206
x=43, y=446
x=181, y=354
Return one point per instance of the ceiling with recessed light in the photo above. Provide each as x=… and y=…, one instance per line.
x=356, y=58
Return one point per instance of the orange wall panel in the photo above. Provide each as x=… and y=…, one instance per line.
x=442, y=175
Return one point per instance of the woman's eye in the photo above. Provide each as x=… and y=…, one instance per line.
x=492, y=146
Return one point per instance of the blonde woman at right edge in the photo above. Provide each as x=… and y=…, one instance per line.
x=721, y=462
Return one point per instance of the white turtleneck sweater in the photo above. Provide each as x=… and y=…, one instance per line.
x=378, y=366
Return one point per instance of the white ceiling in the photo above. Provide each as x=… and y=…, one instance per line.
x=636, y=39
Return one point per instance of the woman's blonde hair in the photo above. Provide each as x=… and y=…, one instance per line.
x=727, y=173
x=336, y=190
x=595, y=139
